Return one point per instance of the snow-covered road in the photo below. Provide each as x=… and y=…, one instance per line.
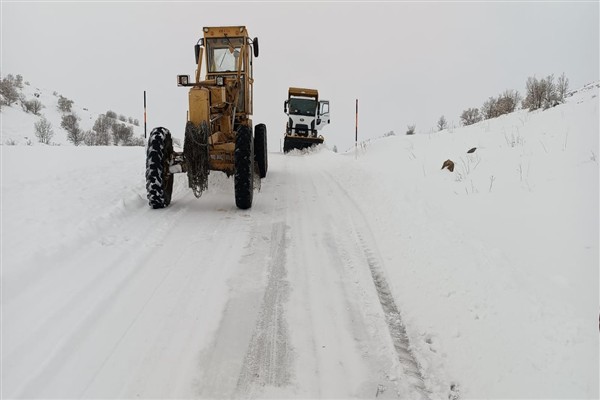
x=355, y=275
x=199, y=299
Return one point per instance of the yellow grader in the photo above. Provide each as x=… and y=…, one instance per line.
x=218, y=131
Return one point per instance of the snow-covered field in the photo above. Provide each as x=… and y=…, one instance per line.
x=18, y=126
x=366, y=274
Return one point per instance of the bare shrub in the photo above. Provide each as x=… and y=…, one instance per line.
x=442, y=123
x=122, y=134
x=136, y=141
x=33, y=106
x=544, y=93
x=470, y=116
x=43, y=130
x=64, y=104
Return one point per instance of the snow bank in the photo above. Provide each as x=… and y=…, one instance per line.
x=494, y=265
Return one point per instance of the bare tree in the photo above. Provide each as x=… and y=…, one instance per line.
x=43, y=130
x=489, y=108
x=550, y=98
x=541, y=93
x=70, y=122
x=533, y=99
x=102, y=123
x=19, y=81
x=90, y=138
x=102, y=127
x=8, y=90
x=76, y=136
x=562, y=87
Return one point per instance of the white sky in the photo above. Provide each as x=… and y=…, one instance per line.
x=407, y=63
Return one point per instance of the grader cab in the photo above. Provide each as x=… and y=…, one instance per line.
x=219, y=134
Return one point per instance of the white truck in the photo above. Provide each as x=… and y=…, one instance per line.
x=306, y=116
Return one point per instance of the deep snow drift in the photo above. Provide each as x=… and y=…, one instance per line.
x=493, y=268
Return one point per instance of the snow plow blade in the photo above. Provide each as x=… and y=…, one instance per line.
x=300, y=142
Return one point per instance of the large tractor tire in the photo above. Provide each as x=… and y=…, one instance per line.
x=260, y=149
x=159, y=181
x=244, y=168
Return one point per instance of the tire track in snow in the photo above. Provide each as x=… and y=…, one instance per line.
x=268, y=357
x=393, y=317
x=87, y=303
x=393, y=320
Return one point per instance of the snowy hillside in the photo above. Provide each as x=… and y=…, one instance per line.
x=367, y=274
x=18, y=125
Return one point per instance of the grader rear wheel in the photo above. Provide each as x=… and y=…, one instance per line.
x=244, y=168
x=260, y=149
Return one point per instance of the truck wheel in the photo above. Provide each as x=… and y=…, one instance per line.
x=286, y=146
x=244, y=168
x=159, y=181
x=260, y=149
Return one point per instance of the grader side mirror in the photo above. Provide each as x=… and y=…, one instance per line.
x=255, y=46
x=197, y=52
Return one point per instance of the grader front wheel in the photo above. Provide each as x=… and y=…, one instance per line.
x=159, y=181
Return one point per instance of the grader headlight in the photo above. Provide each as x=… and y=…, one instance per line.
x=183, y=80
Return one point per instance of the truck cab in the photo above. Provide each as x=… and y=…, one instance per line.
x=306, y=113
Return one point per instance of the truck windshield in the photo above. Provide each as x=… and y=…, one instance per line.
x=223, y=54
x=302, y=106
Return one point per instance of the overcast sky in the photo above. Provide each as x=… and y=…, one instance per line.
x=407, y=63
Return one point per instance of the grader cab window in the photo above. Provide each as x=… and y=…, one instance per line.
x=223, y=54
